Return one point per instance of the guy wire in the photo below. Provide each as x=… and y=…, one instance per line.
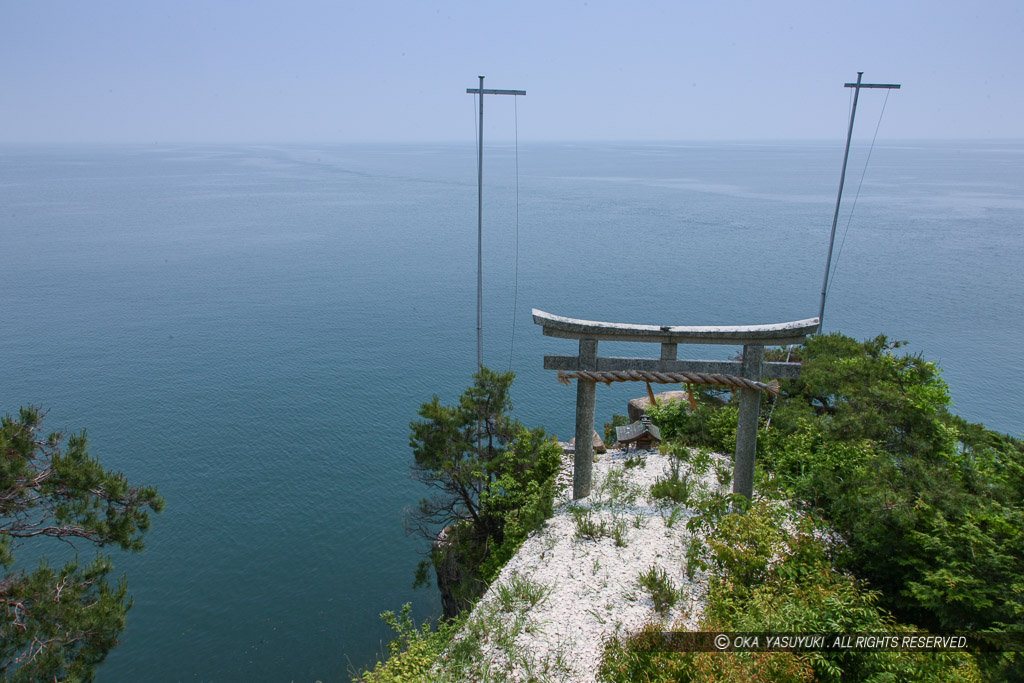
x=835, y=267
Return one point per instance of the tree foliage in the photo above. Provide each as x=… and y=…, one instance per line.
x=929, y=506
x=891, y=468
x=456, y=449
x=59, y=623
x=771, y=572
x=493, y=479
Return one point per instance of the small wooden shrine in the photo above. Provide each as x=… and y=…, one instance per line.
x=641, y=434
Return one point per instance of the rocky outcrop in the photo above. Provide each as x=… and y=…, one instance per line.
x=599, y=446
x=638, y=406
x=449, y=573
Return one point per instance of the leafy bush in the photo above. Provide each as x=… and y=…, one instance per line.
x=522, y=494
x=722, y=426
x=675, y=421
x=713, y=424
x=413, y=652
x=771, y=573
x=929, y=506
x=865, y=438
x=644, y=657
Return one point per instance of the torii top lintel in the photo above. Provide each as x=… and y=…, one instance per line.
x=778, y=334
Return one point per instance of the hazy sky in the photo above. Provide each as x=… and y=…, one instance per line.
x=267, y=71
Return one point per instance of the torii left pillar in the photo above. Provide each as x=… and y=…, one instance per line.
x=585, y=399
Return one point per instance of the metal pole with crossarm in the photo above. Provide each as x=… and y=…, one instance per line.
x=480, y=218
x=842, y=180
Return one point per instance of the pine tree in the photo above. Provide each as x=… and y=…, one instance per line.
x=59, y=623
x=493, y=481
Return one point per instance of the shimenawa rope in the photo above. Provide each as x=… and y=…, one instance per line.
x=609, y=376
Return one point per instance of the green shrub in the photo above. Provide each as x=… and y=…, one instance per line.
x=675, y=486
x=701, y=461
x=770, y=576
x=586, y=526
x=673, y=516
x=673, y=418
x=493, y=480
x=615, y=490
x=519, y=590
x=655, y=580
x=522, y=494
x=643, y=657
x=413, y=652
x=722, y=427
x=609, y=428
x=930, y=505
x=705, y=426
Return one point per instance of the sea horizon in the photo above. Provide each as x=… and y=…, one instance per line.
x=252, y=326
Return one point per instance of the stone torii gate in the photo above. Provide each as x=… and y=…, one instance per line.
x=588, y=369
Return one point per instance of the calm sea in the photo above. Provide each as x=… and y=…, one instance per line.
x=252, y=328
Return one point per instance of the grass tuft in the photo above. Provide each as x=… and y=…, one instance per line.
x=655, y=580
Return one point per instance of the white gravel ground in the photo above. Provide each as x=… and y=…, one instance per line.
x=593, y=592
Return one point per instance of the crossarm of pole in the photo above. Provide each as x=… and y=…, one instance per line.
x=779, y=334
x=491, y=91
x=889, y=86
